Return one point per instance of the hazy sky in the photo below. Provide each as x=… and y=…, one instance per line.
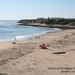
x=32, y=9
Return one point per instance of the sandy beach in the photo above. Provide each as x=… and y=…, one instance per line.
x=26, y=58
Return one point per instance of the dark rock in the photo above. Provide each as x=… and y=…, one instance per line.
x=14, y=43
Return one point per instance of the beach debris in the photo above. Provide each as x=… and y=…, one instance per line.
x=59, y=53
x=60, y=41
x=47, y=45
x=42, y=46
x=14, y=43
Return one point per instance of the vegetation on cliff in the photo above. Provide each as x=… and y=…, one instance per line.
x=62, y=21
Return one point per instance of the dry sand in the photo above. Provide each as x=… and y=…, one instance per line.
x=25, y=57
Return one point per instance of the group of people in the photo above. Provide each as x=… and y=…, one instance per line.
x=37, y=37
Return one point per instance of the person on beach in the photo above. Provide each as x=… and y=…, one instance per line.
x=14, y=41
x=36, y=37
x=15, y=38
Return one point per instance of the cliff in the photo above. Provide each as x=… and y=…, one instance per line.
x=32, y=23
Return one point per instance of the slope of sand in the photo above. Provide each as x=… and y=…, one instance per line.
x=25, y=57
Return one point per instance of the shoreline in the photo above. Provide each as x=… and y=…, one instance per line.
x=25, y=57
x=49, y=25
x=45, y=32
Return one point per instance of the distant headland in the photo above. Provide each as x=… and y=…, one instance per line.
x=63, y=23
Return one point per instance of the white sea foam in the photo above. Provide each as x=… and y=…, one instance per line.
x=30, y=35
x=8, y=31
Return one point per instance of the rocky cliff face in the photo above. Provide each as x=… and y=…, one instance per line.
x=72, y=23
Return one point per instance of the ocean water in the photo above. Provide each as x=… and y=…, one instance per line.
x=9, y=30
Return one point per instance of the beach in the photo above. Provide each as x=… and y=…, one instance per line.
x=26, y=58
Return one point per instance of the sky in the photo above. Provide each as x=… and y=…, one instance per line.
x=32, y=9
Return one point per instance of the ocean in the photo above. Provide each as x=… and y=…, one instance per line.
x=9, y=30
